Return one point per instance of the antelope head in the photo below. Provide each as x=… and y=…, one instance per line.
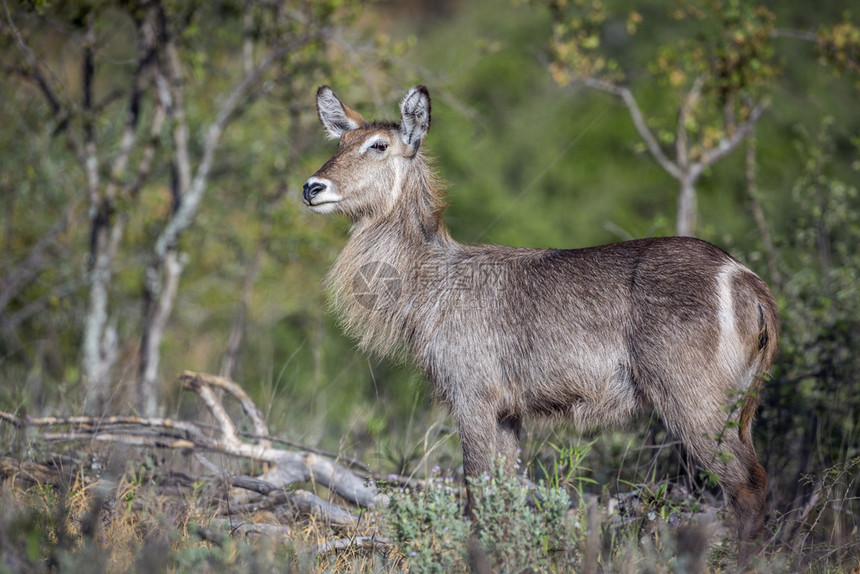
x=367, y=174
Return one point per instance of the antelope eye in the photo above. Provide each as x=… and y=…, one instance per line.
x=379, y=146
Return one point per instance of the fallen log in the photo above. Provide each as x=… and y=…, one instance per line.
x=288, y=467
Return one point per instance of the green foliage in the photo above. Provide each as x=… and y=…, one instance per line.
x=811, y=405
x=720, y=68
x=576, y=41
x=517, y=537
x=429, y=526
x=566, y=470
x=838, y=46
x=433, y=535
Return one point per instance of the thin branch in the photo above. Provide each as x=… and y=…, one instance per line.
x=250, y=483
x=33, y=60
x=304, y=502
x=93, y=425
x=771, y=254
x=27, y=270
x=197, y=381
x=28, y=473
x=91, y=164
x=37, y=306
x=247, y=37
x=805, y=35
x=46, y=86
x=160, y=306
x=817, y=491
x=354, y=462
x=681, y=131
x=155, y=441
x=639, y=122
x=47, y=91
x=353, y=543
x=296, y=502
x=726, y=145
x=103, y=103
x=173, y=101
x=185, y=212
x=146, y=58
x=144, y=167
x=273, y=531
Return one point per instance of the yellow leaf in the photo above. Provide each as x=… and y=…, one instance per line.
x=591, y=42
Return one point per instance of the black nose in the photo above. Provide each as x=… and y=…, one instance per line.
x=311, y=190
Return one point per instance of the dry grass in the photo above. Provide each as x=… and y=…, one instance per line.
x=143, y=522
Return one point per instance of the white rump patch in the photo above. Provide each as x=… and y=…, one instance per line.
x=730, y=347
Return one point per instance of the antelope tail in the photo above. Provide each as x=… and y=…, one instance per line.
x=768, y=337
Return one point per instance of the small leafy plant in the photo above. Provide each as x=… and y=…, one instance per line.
x=429, y=526
x=515, y=527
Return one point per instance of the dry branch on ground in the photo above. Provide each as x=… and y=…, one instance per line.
x=275, y=491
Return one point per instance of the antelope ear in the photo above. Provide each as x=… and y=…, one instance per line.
x=335, y=117
x=415, y=116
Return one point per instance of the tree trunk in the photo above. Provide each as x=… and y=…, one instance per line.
x=686, y=225
x=99, y=343
x=160, y=293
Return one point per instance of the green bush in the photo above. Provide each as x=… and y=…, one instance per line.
x=509, y=531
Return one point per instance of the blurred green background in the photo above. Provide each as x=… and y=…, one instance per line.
x=528, y=163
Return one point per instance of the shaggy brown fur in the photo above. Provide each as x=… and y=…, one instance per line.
x=592, y=336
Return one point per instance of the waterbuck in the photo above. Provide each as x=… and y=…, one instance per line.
x=592, y=335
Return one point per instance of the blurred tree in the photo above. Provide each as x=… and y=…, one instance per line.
x=716, y=74
x=127, y=86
